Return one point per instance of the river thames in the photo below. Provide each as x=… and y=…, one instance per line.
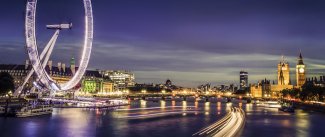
x=75, y=122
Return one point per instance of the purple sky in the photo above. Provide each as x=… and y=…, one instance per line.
x=189, y=41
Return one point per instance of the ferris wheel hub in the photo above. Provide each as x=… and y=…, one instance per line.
x=59, y=26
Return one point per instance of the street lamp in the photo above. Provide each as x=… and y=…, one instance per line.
x=267, y=95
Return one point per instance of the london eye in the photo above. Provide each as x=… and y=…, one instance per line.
x=39, y=61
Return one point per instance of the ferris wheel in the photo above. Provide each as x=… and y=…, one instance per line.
x=38, y=62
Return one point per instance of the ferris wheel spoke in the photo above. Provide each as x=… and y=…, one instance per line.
x=45, y=51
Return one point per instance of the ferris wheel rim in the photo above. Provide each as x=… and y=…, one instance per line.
x=32, y=50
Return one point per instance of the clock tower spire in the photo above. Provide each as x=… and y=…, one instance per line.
x=300, y=71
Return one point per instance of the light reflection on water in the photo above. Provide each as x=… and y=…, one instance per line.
x=76, y=119
x=103, y=123
x=228, y=106
x=218, y=108
x=249, y=107
x=196, y=104
x=173, y=103
x=302, y=123
x=162, y=104
x=31, y=128
x=143, y=103
x=184, y=104
x=207, y=106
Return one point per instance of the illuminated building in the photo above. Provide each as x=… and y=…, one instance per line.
x=265, y=89
x=243, y=78
x=92, y=82
x=316, y=82
x=121, y=79
x=60, y=73
x=300, y=72
x=261, y=89
x=256, y=90
x=18, y=72
x=283, y=72
x=284, y=81
x=90, y=86
x=204, y=88
x=107, y=86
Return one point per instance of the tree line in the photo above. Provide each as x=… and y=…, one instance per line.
x=6, y=83
x=308, y=92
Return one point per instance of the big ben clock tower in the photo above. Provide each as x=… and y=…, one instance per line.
x=300, y=71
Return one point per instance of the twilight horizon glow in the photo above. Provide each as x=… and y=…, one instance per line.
x=191, y=42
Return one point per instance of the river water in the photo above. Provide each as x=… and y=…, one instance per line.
x=75, y=122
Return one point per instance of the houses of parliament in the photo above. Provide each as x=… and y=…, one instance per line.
x=266, y=88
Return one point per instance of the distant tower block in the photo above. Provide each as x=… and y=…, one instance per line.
x=283, y=72
x=300, y=71
x=243, y=78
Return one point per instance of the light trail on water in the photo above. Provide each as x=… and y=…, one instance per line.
x=151, y=108
x=228, y=126
x=153, y=115
x=152, y=112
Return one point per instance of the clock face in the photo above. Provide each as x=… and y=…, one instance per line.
x=301, y=70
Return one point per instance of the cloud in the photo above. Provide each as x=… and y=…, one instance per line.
x=154, y=64
x=189, y=41
x=190, y=66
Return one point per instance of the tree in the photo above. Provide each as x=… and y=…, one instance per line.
x=312, y=93
x=292, y=93
x=6, y=83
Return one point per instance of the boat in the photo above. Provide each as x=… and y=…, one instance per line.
x=153, y=99
x=190, y=99
x=178, y=99
x=288, y=109
x=213, y=100
x=169, y=98
x=272, y=104
x=28, y=111
x=2, y=110
x=201, y=99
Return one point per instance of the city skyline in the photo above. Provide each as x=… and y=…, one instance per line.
x=189, y=42
x=147, y=68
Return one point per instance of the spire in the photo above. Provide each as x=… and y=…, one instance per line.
x=73, y=66
x=282, y=59
x=300, y=56
x=300, y=60
x=72, y=61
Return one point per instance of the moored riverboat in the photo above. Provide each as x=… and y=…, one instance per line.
x=28, y=111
